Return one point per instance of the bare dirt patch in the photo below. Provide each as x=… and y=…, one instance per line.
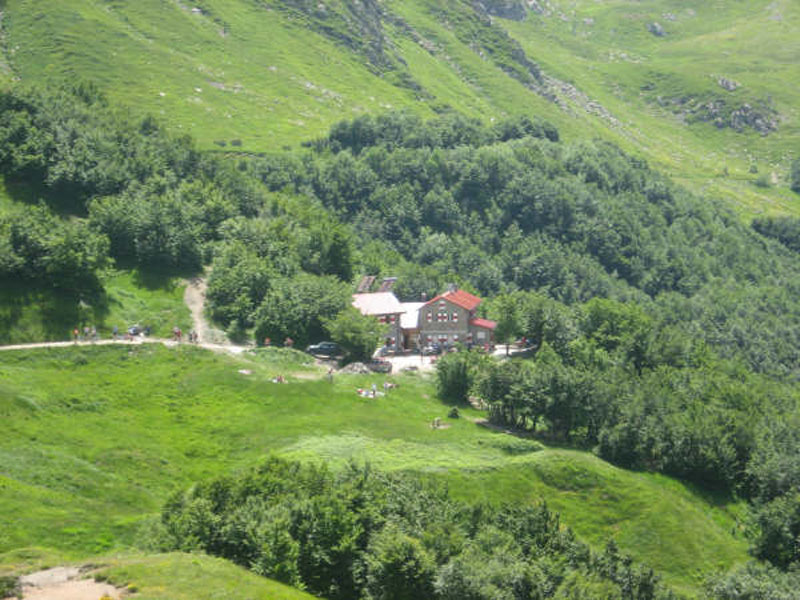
x=195, y=298
x=63, y=583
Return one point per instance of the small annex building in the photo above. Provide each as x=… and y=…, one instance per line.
x=386, y=308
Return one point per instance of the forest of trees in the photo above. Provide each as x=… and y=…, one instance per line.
x=664, y=334
x=364, y=534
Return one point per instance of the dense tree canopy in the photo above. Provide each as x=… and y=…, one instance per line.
x=510, y=207
x=364, y=534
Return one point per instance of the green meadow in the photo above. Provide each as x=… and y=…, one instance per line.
x=97, y=438
x=606, y=50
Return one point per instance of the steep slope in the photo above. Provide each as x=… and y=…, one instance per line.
x=255, y=76
x=699, y=87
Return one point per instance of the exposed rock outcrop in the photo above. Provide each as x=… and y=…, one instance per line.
x=722, y=112
x=728, y=84
x=514, y=10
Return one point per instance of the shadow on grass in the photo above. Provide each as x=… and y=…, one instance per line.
x=159, y=278
x=63, y=201
x=31, y=312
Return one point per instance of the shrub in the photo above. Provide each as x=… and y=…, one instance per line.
x=10, y=587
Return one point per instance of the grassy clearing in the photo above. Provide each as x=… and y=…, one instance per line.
x=35, y=314
x=134, y=297
x=97, y=438
x=597, y=500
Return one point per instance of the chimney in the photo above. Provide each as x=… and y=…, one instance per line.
x=366, y=283
x=387, y=284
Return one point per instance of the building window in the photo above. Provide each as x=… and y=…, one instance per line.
x=392, y=318
x=455, y=337
x=481, y=335
x=454, y=317
x=429, y=315
x=429, y=338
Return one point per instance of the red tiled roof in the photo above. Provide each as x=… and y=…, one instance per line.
x=484, y=323
x=460, y=298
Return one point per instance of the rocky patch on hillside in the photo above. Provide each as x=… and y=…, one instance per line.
x=360, y=26
x=357, y=24
x=492, y=43
x=514, y=10
x=737, y=114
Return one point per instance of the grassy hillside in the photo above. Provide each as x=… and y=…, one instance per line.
x=256, y=76
x=172, y=576
x=97, y=439
x=655, y=84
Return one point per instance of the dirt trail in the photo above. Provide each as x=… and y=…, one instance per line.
x=62, y=583
x=195, y=298
x=135, y=342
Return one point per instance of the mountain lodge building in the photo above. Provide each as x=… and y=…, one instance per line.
x=447, y=319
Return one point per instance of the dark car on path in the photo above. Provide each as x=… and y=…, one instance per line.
x=432, y=349
x=379, y=365
x=324, y=349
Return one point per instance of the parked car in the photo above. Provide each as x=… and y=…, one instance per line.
x=380, y=366
x=324, y=349
x=434, y=348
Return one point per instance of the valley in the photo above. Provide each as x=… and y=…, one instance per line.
x=615, y=184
